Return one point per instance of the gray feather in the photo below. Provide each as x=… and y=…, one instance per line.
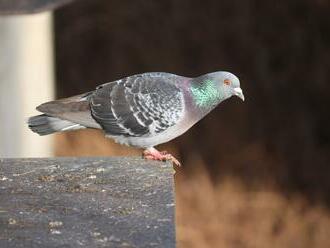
x=44, y=125
x=73, y=109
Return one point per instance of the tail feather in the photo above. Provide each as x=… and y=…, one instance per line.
x=44, y=124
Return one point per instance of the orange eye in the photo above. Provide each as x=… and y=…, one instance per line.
x=226, y=82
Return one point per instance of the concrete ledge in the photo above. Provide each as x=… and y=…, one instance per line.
x=90, y=202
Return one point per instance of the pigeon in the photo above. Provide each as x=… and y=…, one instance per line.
x=142, y=110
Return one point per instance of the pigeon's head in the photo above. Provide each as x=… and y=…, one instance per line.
x=227, y=83
x=210, y=89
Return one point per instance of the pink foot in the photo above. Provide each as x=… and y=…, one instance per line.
x=153, y=154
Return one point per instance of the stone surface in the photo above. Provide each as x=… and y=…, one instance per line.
x=88, y=202
x=29, y=6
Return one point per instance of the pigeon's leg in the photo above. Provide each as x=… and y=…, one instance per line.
x=153, y=154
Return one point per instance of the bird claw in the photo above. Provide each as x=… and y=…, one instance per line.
x=160, y=156
x=173, y=159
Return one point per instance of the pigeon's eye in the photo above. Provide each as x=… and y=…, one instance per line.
x=226, y=82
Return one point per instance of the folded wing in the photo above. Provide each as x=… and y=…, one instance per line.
x=141, y=105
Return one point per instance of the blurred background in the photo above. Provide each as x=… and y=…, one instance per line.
x=255, y=174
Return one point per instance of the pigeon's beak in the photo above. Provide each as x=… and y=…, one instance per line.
x=238, y=92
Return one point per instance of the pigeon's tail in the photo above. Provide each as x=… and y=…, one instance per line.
x=44, y=124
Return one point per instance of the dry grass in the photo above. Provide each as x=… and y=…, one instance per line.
x=229, y=215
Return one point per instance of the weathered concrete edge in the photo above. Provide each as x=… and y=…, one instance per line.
x=165, y=166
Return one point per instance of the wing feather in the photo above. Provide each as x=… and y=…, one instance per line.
x=140, y=105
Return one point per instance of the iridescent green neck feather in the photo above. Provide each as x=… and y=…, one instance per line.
x=206, y=94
